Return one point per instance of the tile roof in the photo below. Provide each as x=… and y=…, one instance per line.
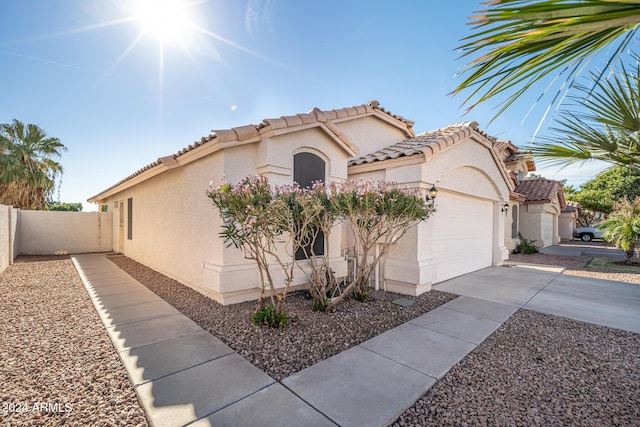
x=572, y=207
x=248, y=132
x=541, y=190
x=427, y=143
x=525, y=156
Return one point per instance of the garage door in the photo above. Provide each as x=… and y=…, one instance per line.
x=547, y=230
x=463, y=235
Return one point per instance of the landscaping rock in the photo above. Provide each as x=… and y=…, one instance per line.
x=311, y=336
x=58, y=364
x=539, y=370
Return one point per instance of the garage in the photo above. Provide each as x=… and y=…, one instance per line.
x=462, y=235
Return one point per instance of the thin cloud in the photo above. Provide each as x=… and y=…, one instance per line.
x=259, y=14
x=35, y=58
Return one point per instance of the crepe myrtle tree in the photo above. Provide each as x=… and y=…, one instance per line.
x=379, y=213
x=314, y=218
x=250, y=223
x=272, y=223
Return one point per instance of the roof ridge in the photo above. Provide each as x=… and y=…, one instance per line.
x=433, y=141
x=246, y=132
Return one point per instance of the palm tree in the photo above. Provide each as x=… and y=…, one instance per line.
x=27, y=166
x=605, y=124
x=622, y=228
x=519, y=42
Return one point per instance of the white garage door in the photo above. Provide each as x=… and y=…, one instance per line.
x=547, y=230
x=462, y=236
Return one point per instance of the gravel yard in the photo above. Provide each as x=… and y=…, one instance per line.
x=539, y=370
x=575, y=266
x=311, y=336
x=58, y=364
x=536, y=369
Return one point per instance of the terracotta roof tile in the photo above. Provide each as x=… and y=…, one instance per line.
x=247, y=132
x=425, y=143
x=538, y=190
x=572, y=207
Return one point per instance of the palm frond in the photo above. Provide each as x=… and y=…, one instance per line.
x=516, y=43
x=602, y=124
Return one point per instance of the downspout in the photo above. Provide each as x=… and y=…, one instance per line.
x=377, y=275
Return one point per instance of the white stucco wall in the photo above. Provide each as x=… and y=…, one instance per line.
x=465, y=171
x=371, y=133
x=539, y=222
x=176, y=227
x=566, y=225
x=9, y=235
x=53, y=232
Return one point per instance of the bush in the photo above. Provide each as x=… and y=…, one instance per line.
x=267, y=316
x=526, y=246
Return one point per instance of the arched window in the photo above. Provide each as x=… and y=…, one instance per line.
x=514, y=222
x=307, y=168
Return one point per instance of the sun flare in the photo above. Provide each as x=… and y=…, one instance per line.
x=165, y=20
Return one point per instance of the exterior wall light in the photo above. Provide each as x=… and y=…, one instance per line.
x=505, y=208
x=433, y=193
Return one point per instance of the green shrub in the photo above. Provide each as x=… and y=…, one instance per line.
x=526, y=246
x=267, y=316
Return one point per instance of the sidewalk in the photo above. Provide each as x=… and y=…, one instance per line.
x=182, y=374
x=185, y=376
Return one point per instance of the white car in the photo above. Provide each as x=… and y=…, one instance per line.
x=587, y=234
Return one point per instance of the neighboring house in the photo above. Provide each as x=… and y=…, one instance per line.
x=519, y=163
x=540, y=212
x=567, y=222
x=536, y=205
x=163, y=219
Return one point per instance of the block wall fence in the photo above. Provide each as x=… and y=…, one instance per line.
x=24, y=232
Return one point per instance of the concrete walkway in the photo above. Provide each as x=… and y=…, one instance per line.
x=185, y=376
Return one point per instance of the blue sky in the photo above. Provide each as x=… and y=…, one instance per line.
x=98, y=75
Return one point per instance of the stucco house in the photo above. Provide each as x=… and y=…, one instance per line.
x=163, y=219
x=539, y=214
x=568, y=220
x=537, y=207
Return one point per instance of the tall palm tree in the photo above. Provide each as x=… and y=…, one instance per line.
x=516, y=43
x=602, y=124
x=623, y=227
x=28, y=168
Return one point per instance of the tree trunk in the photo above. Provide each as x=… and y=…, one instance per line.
x=630, y=253
x=279, y=304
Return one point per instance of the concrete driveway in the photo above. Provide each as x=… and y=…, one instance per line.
x=547, y=290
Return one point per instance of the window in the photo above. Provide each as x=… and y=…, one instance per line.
x=104, y=208
x=129, y=218
x=514, y=222
x=520, y=176
x=307, y=168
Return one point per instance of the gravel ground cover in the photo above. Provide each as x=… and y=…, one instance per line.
x=575, y=266
x=58, y=364
x=59, y=367
x=539, y=370
x=311, y=336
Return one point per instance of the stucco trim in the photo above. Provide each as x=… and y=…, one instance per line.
x=516, y=197
x=501, y=166
x=387, y=164
x=429, y=144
